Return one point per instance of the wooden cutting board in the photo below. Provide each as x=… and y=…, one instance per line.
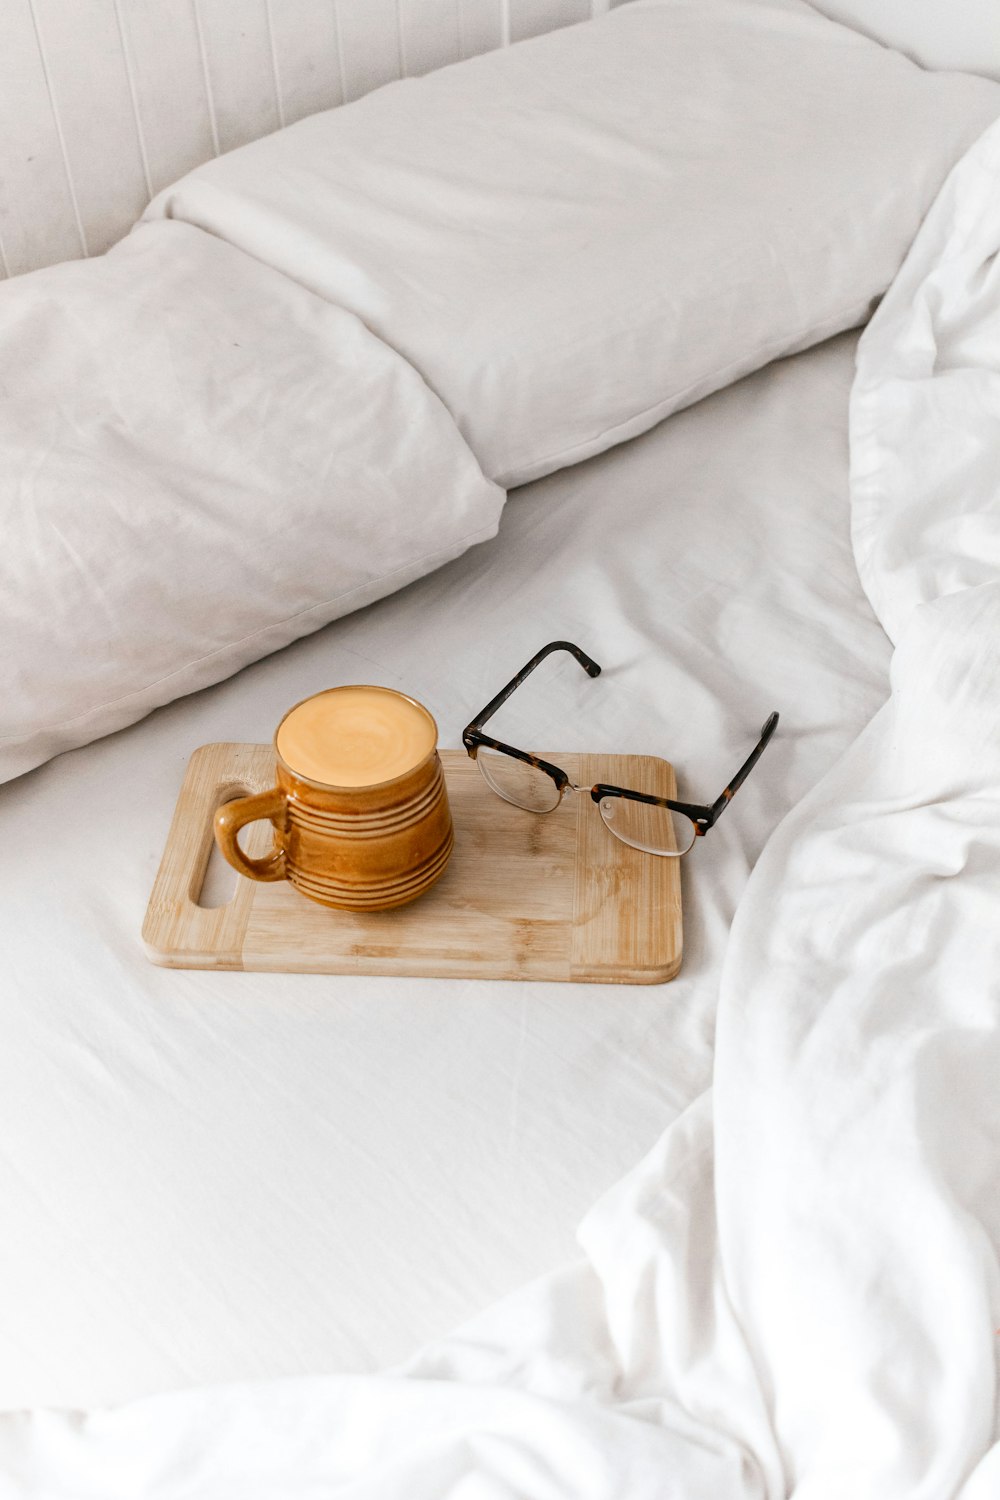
x=524, y=896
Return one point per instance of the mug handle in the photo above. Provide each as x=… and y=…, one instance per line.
x=232, y=816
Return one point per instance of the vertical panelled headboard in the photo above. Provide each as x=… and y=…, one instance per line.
x=104, y=102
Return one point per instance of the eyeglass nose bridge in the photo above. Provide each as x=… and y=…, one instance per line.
x=571, y=786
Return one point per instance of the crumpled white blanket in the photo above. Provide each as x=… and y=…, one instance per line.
x=798, y=1291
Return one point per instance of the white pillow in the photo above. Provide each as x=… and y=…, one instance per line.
x=199, y=462
x=578, y=235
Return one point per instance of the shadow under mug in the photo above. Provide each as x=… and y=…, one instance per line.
x=356, y=848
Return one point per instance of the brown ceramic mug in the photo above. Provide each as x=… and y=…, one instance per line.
x=360, y=811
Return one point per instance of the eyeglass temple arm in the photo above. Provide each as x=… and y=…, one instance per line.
x=722, y=802
x=587, y=663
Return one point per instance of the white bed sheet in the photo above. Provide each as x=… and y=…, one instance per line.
x=212, y=1177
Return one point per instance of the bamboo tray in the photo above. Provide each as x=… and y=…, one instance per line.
x=524, y=897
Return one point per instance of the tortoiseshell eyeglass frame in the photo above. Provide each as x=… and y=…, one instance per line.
x=703, y=816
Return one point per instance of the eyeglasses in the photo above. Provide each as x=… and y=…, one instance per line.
x=654, y=824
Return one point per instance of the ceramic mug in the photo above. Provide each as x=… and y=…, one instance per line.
x=360, y=811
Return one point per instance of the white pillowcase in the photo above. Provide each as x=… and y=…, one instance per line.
x=201, y=461
x=574, y=237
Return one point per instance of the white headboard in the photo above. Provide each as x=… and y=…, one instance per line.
x=103, y=102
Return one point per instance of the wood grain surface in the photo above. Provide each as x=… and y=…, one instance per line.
x=524, y=896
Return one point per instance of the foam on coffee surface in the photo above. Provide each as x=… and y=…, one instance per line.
x=355, y=736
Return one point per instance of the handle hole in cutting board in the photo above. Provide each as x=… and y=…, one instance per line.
x=220, y=880
x=218, y=886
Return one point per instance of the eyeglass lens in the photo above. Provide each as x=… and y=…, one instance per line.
x=515, y=781
x=656, y=830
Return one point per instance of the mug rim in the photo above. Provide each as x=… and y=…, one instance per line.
x=368, y=786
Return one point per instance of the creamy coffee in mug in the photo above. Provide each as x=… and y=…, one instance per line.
x=360, y=811
x=355, y=736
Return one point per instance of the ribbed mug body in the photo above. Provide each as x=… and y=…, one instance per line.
x=366, y=848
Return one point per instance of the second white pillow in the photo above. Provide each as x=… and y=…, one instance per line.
x=578, y=235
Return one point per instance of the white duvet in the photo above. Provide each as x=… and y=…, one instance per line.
x=798, y=1291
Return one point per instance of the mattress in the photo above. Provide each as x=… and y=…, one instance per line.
x=217, y=1177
